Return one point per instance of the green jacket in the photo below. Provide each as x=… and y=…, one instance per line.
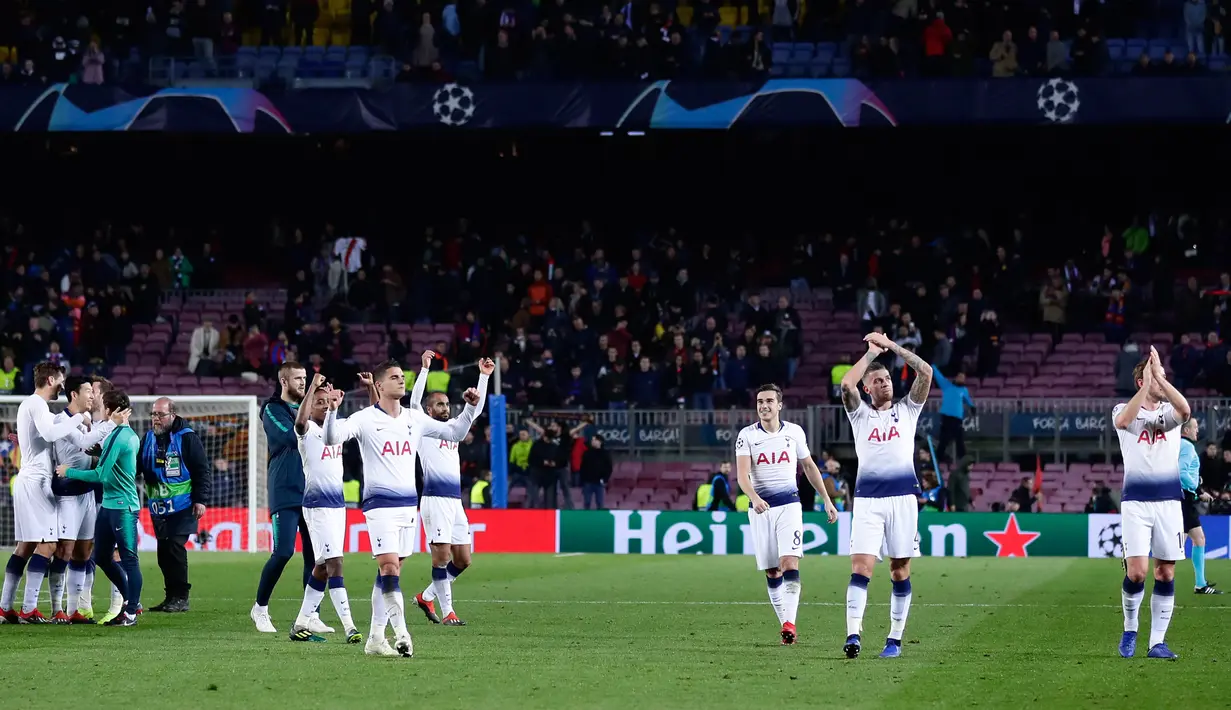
x=116, y=470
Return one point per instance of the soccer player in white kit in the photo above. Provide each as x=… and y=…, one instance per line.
x=885, y=519
x=35, y=523
x=767, y=455
x=324, y=512
x=440, y=506
x=76, y=504
x=1151, y=520
x=389, y=436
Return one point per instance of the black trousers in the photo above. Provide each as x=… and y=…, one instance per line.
x=172, y=534
x=951, y=431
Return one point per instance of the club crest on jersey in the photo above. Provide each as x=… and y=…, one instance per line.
x=889, y=435
x=770, y=458
x=396, y=448
x=1151, y=436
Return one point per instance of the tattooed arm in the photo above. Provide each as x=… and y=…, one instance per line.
x=923, y=371
x=853, y=376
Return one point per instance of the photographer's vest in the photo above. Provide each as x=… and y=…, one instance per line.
x=173, y=492
x=476, y=494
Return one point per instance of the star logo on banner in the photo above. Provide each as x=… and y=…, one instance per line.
x=1012, y=541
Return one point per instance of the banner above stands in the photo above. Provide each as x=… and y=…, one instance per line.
x=621, y=107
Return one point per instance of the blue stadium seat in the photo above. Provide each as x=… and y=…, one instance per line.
x=310, y=66
x=1115, y=42
x=782, y=55
x=382, y=67
x=265, y=68
x=842, y=67
x=354, y=68
x=741, y=34
x=292, y=52
x=804, y=57
x=246, y=50
x=1135, y=46
x=1156, y=53
x=820, y=66
x=1165, y=42
x=725, y=33
x=334, y=67
x=804, y=47
x=1218, y=63
x=1115, y=52
x=777, y=71
x=797, y=70
x=274, y=52
x=314, y=50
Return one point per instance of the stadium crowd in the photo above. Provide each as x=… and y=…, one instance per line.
x=53, y=42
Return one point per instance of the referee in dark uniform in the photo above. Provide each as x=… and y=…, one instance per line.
x=178, y=479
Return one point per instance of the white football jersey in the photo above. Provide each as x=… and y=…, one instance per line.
x=37, y=432
x=322, y=469
x=885, y=446
x=775, y=458
x=442, y=468
x=1151, y=450
x=71, y=449
x=388, y=446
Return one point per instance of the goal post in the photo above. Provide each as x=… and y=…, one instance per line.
x=230, y=429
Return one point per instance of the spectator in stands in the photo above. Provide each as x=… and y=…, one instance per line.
x=92, y=63
x=959, y=485
x=519, y=462
x=1116, y=318
x=256, y=350
x=1194, y=26
x=1021, y=500
x=205, y=352
x=989, y=345
x=698, y=381
x=1100, y=500
x=932, y=495
x=10, y=376
x=596, y=468
x=871, y=305
x=1004, y=56
x=1054, y=303
x=715, y=494
x=548, y=467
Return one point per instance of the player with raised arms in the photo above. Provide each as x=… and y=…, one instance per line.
x=767, y=455
x=35, y=523
x=885, y=518
x=324, y=512
x=1151, y=519
x=388, y=436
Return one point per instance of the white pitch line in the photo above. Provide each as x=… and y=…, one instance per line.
x=569, y=554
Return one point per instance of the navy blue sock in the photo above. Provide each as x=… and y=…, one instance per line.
x=57, y=565
x=16, y=565
x=791, y=575
x=439, y=573
x=389, y=583
x=1166, y=589
x=336, y=583
x=317, y=584
x=1131, y=587
x=269, y=578
x=90, y=566
x=454, y=571
x=902, y=588
x=76, y=566
x=38, y=564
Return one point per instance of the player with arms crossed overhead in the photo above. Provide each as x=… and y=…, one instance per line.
x=388, y=436
x=324, y=511
x=1151, y=520
x=444, y=518
x=886, y=511
x=35, y=522
x=76, y=503
x=767, y=455
x=1190, y=481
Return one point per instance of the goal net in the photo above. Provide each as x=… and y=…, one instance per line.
x=236, y=518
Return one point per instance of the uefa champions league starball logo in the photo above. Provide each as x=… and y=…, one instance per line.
x=1110, y=544
x=1059, y=101
x=453, y=105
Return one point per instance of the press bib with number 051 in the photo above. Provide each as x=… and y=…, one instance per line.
x=172, y=491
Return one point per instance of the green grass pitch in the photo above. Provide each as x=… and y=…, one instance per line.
x=644, y=632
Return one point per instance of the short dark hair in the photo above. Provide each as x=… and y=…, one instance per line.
x=104, y=384
x=74, y=384
x=1139, y=372
x=771, y=388
x=44, y=371
x=875, y=367
x=288, y=366
x=380, y=370
x=116, y=400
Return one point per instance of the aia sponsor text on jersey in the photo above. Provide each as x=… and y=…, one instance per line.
x=876, y=435
x=450, y=445
x=397, y=448
x=331, y=452
x=1149, y=437
x=770, y=458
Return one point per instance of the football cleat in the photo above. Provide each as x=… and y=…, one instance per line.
x=34, y=617
x=302, y=633
x=260, y=617
x=316, y=626
x=788, y=633
x=452, y=620
x=405, y=647
x=1128, y=644
x=851, y=649
x=122, y=619
x=1160, y=650
x=79, y=618
x=1207, y=589
x=893, y=649
x=9, y=615
x=87, y=612
x=379, y=646
x=60, y=618
x=428, y=608
x=353, y=636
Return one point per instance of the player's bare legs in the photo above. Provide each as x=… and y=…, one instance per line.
x=80, y=594
x=899, y=606
x=448, y=563
x=13, y=571
x=1162, y=603
x=325, y=575
x=857, y=601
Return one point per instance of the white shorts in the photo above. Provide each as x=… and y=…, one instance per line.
x=77, y=515
x=34, y=510
x=444, y=521
x=392, y=530
x=777, y=533
x=327, y=528
x=886, y=527
x=1152, y=528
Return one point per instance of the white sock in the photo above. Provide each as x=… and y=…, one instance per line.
x=429, y=594
x=790, y=595
x=312, y=596
x=35, y=572
x=856, y=602
x=899, y=609
x=395, y=605
x=774, y=584
x=9, y=591
x=117, y=600
x=380, y=615
x=443, y=586
x=1162, y=602
x=55, y=582
x=1131, y=594
x=341, y=603
x=76, y=585
x=87, y=589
